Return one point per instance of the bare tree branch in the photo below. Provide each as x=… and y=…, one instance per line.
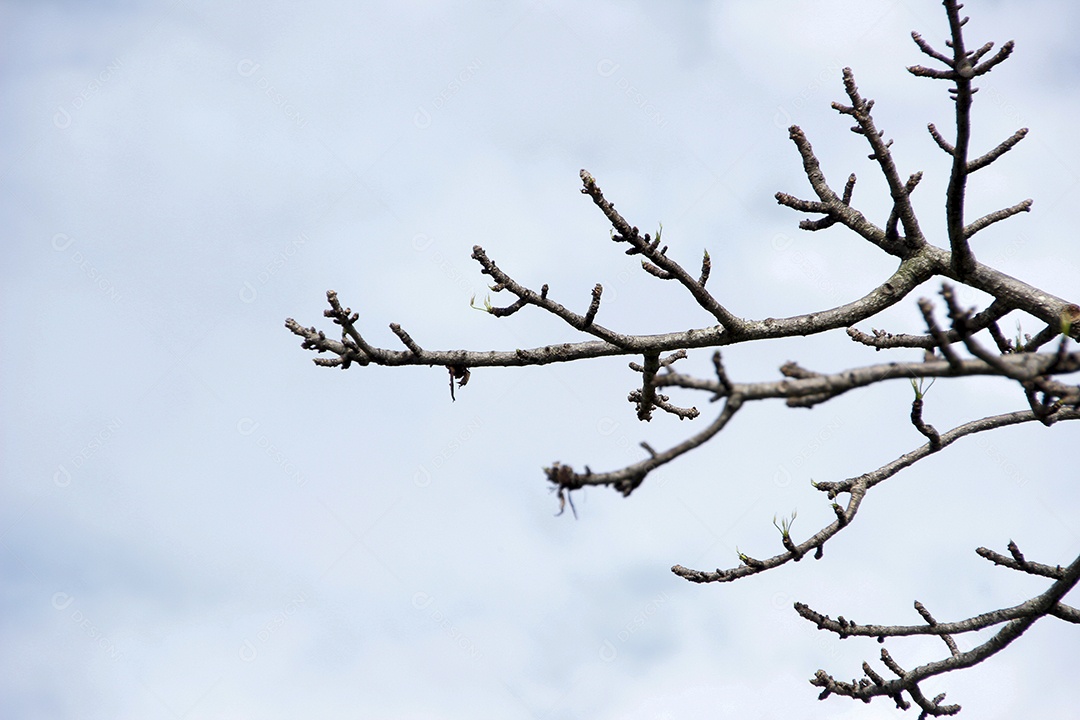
x=1017, y=621
x=857, y=488
x=957, y=350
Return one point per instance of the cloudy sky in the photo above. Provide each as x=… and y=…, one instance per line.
x=197, y=522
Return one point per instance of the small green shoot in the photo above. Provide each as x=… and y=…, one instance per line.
x=488, y=307
x=1018, y=345
x=920, y=391
x=785, y=524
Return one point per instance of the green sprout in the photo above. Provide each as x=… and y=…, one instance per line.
x=920, y=391
x=488, y=307
x=785, y=524
x=1018, y=345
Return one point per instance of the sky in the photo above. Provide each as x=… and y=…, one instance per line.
x=197, y=522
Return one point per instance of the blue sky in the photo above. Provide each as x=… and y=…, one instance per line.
x=196, y=522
